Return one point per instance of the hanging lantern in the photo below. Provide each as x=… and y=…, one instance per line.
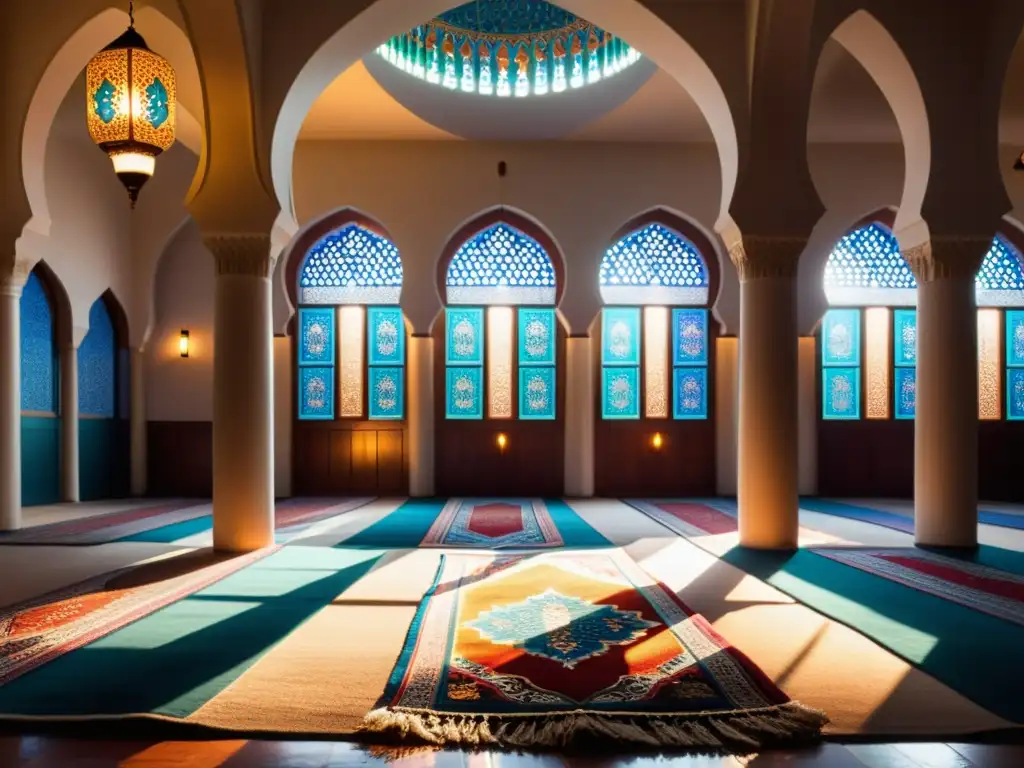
x=130, y=106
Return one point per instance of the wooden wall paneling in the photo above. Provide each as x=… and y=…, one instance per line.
x=180, y=458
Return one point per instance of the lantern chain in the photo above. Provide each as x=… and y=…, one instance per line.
x=131, y=13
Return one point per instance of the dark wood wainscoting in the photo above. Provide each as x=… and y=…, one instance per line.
x=349, y=457
x=866, y=458
x=180, y=458
x=467, y=460
x=1000, y=448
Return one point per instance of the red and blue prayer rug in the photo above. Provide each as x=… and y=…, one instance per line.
x=556, y=651
x=493, y=524
x=972, y=585
x=687, y=518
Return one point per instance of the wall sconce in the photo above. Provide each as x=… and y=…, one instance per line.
x=502, y=442
x=183, y=344
x=657, y=441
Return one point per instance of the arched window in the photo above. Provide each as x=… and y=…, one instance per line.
x=97, y=366
x=869, y=338
x=510, y=274
x=351, y=350
x=38, y=357
x=654, y=357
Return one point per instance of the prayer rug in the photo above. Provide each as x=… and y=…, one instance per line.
x=492, y=524
x=973, y=585
x=576, y=650
x=36, y=631
x=687, y=518
x=106, y=527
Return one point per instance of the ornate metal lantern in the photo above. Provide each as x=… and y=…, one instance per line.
x=130, y=106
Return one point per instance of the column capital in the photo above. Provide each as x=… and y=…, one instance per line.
x=947, y=256
x=757, y=256
x=12, y=282
x=241, y=254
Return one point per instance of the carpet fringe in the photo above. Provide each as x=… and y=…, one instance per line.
x=738, y=732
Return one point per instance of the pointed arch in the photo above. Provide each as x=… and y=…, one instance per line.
x=45, y=329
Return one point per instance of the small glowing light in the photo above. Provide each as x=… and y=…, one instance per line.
x=502, y=441
x=657, y=441
x=183, y=344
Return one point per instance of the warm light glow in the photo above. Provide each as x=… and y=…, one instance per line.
x=133, y=162
x=877, y=343
x=499, y=358
x=351, y=330
x=183, y=344
x=656, y=362
x=502, y=441
x=657, y=441
x=990, y=365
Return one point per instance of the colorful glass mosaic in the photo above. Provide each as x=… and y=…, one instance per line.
x=865, y=260
x=653, y=265
x=316, y=393
x=690, y=389
x=499, y=362
x=351, y=266
x=1015, y=394
x=386, y=339
x=877, y=366
x=464, y=329
x=906, y=392
x=316, y=336
x=620, y=336
x=536, y=336
x=841, y=393
x=537, y=393
x=464, y=393
x=38, y=357
x=1015, y=338
x=620, y=392
x=500, y=265
x=656, y=366
x=351, y=327
x=905, y=336
x=1001, y=269
x=689, y=337
x=840, y=337
x=97, y=356
x=387, y=392
x=990, y=365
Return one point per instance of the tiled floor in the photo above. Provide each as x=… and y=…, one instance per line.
x=34, y=752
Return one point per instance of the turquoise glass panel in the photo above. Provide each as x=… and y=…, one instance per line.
x=387, y=392
x=1015, y=337
x=1015, y=394
x=904, y=330
x=103, y=101
x=386, y=340
x=841, y=393
x=316, y=336
x=537, y=393
x=464, y=393
x=906, y=392
x=620, y=336
x=840, y=337
x=157, y=108
x=38, y=358
x=316, y=393
x=97, y=365
x=689, y=337
x=464, y=329
x=690, y=393
x=620, y=392
x=536, y=337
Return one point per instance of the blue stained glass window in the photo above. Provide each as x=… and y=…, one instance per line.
x=387, y=392
x=536, y=337
x=537, y=392
x=97, y=357
x=1015, y=338
x=868, y=257
x=386, y=339
x=620, y=392
x=1015, y=394
x=654, y=256
x=464, y=393
x=38, y=357
x=317, y=341
x=840, y=337
x=906, y=392
x=905, y=336
x=464, y=330
x=501, y=265
x=1001, y=270
x=689, y=337
x=841, y=393
x=351, y=266
x=316, y=393
x=690, y=387
x=316, y=336
x=620, y=336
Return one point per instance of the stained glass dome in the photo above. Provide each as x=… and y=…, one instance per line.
x=501, y=265
x=654, y=265
x=352, y=265
x=509, y=48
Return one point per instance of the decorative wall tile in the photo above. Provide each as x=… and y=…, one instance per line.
x=656, y=369
x=840, y=337
x=689, y=337
x=620, y=392
x=39, y=388
x=97, y=356
x=537, y=393
x=1015, y=394
x=386, y=339
x=620, y=336
x=905, y=336
x=906, y=392
x=316, y=393
x=841, y=393
x=464, y=328
x=352, y=327
x=464, y=393
x=877, y=366
x=990, y=365
x=499, y=362
x=387, y=392
x=536, y=336
x=316, y=336
x=1015, y=337
x=690, y=388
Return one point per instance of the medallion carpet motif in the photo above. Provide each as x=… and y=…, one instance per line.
x=493, y=523
x=972, y=585
x=576, y=650
x=687, y=518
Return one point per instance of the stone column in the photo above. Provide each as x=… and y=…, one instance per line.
x=946, y=418
x=10, y=398
x=69, y=461
x=421, y=416
x=243, y=406
x=767, y=440
x=139, y=428
x=579, y=417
